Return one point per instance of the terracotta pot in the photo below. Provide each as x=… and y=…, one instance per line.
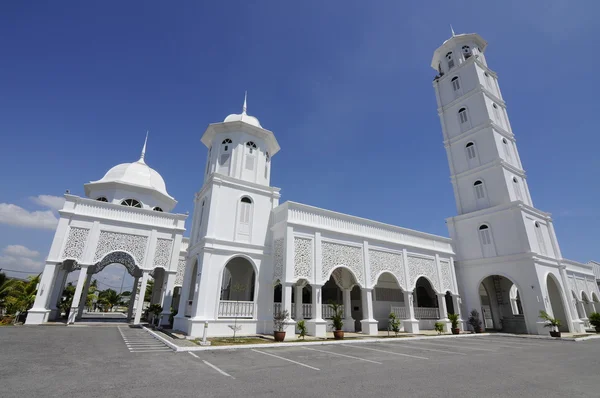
x=555, y=334
x=455, y=331
x=597, y=329
x=279, y=336
x=478, y=330
x=338, y=334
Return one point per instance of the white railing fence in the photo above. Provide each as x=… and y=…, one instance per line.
x=306, y=310
x=400, y=312
x=236, y=309
x=328, y=311
x=427, y=313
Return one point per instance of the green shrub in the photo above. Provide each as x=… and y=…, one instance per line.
x=302, y=329
x=439, y=327
x=394, y=323
x=454, y=319
x=595, y=319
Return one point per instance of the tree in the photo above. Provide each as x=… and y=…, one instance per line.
x=21, y=295
x=149, y=288
x=67, y=298
x=6, y=285
x=108, y=299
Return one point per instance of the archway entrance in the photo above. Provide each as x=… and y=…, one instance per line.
x=497, y=306
x=342, y=289
x=426, y=304
x=388, y=297
x=556, y=302
x=237, y=290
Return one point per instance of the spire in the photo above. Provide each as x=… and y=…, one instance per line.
x=144, y=149
x=452, y=30
x=245, y=107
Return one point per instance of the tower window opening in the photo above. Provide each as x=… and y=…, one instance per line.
x=462, y=115
x=450, y=60
x=131, y=203
x=226, y=143
x=245, y=218
x=251, y=148
x=267, y=160
x=540, y=238
x=479, y=189
x=466, y=51
x=157, y=209
x=208, y=160
x=102, y=199
x=517, y=186
x=455, y=83
x=486, y=236
x=470, y=147
x=506, y=149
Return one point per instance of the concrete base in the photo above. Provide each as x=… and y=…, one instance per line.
x=541, y=329
x=411, y=325
x=369, y=326
x=349, y=325
x=290, y=330
x=578, y=326
x=72, y=315
x=316, y=327
x=37, y=316
x=447, y=325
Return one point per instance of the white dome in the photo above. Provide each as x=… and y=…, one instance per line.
x=243, y=117
x=138, y=174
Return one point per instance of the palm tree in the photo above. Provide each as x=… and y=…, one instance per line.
x=108, y=299
x=6, y=285
x=21, y=295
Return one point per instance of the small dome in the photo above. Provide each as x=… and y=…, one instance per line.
x=243, y=117
x=138, y=174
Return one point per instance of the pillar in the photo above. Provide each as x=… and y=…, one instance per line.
x=78, y=291
x=316, y=326
x=411, y=324
x=57, y=290
x=368, y=324
x=298, y=303
x=348, y=321
x=82, y=302
x=140, y=301
x=286, y=305
x=575, y=324
x=132, y=298
x=167, y=297
x=443, y=317
x=456, y=302
x=40, y=311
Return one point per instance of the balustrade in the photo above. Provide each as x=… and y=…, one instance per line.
x=236, y=309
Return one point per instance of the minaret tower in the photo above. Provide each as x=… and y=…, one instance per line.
x=230, y=227
x=497, y=231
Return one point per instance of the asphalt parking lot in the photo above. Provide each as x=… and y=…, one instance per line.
x=100, y=362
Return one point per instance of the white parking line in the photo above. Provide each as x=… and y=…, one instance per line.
x=343, y=355
x=487, y=344
x=217, y=369
x=411, y=344
x=524, y=343
x=455, y=346
x=388, y=352
x=285, y=359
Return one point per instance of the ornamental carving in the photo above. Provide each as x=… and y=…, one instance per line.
x=419, y=266
x=114, y=241
x=335, y=254
x=75, y=243
x=390, y=262
x=446, y=276
x=592, y=288
x=572, y=284
x=303, y=258
x=119, y=258
x=162, y=253
x=180, y=272
x=278, y=260
x=343, y=278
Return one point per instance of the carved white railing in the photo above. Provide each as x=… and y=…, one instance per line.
x=427, y=313
x=306, y=310
x=276, y=308
x=400, y=312
x=328, y=311
x=236, y=309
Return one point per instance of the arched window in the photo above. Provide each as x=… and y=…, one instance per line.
x=156, y=208
x=488, y=80
x=225, y=156
x=485, y=235
x=455, y=83
x=267, y=160
x=250, y=155
x=199, y=225
x=506, y=149
x=470, y=148
x=462, y=116
x=450, y=60
x=245, y=218
x=540, y=238
x=479, y=189
x=131, y=203
x=102, y=199
x=517, y=186
x=466, y=51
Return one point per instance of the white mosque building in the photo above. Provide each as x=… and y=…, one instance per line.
x=249, y=257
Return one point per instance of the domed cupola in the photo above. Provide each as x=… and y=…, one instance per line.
x=132, y=184
x=243, y=117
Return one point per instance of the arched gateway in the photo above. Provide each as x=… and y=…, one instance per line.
x=123, y=220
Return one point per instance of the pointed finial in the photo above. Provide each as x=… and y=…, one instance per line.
x=452, y=30
x=144, y=148
x=245, y=107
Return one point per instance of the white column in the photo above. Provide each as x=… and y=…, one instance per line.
x=40, y=311
x=140, y=302
x=348, y=321
x=456, y=304
x=57, y=290
x=83, y=301
x=286, y=305
x=411, y=324
x=443, y=309
x=78, y=292
x=298, y=304
x=574, y=323
x=368, y=324
x=185, y=293
x=316, y=326
x=167, y=297
x=132, y=298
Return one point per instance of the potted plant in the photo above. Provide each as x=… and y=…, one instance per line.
x=454, y=319
x=338, y=320
x=595, y=321
x=474, y=321
x=551, y=323
x=279, y=325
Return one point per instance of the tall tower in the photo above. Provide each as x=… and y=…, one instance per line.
x=501, y=240
x=230, y=236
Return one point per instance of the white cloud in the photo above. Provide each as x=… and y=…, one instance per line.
x=23, y=264
x=15, y=215
x=19, y=251
x=52, y=202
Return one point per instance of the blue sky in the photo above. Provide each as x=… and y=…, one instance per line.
x=345, y=86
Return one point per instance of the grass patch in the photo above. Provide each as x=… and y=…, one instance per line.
x=396, y=337
x=582, y=335
x=219, y=341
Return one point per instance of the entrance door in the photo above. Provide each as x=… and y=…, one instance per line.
x=487, y=317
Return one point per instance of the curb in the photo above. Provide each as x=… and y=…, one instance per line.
x=177, y=348
x=538, y=337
